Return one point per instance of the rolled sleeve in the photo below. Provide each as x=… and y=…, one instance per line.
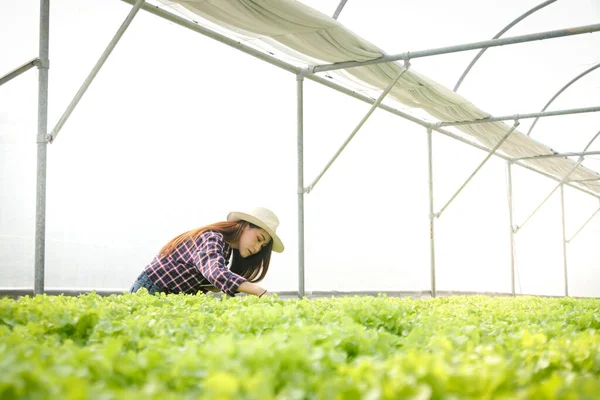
x=210, y=261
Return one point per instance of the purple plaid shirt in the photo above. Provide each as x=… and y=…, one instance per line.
x=194, y=265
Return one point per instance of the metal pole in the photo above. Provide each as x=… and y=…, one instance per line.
x=572, y=81
x=360, y=124
x=512, y=230
x=522, y=116
x=19, y=70
x=558, y=155
x=431, y=214
x=300, y=191
x=95, y=70
x=583, y=226
x=339, y=8
x=42, y=147
x=491, y=153
x=564, y=236
x=502, y=32
x=463, y=47
x=584, y=180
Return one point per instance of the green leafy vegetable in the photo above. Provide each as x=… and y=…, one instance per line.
x=189, y=347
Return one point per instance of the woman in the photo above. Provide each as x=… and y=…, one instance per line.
x=197, y=260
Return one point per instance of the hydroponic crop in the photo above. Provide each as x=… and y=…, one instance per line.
x=186, y=347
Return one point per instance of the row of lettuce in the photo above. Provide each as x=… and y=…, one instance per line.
x=180, y=347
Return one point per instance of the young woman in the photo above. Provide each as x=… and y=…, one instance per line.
x=197, y=260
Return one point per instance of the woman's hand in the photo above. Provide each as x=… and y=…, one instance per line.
x=251, y=288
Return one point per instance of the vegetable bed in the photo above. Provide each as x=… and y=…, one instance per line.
x=137, y=346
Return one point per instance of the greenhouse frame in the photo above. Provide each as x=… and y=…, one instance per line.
x=536, y=157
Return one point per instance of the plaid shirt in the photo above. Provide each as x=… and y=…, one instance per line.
x=195, y=265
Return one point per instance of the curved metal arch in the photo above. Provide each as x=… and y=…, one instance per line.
x=572, y=81
x=590, y=143
x=502, y=32
x=580, y=160
x=339, y=8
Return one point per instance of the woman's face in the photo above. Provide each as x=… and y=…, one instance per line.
x=252, y=240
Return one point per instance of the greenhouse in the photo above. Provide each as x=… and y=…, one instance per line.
x=433, y=166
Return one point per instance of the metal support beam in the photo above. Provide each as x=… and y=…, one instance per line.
x=339, y=9
x=360, y=124
x=491, y=153
x=431, y=215
x=176, y=19
x=584, y=180
x=512, y=229
x=300, y=187
x=326, y=82
x=95, y=70
x=558, y=155
x=42, y=148
x=583, y=226
x=19, y=70
x=409, y=55
x=572, y=81
x=562, y=181
x=564, y=237
x=502, y=32
x=519, y=227
x=522, y=116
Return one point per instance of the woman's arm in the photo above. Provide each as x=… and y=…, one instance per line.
x=245, y=287
x=251, y=288
x=209, y=259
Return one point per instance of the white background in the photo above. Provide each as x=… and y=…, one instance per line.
x=178, y=129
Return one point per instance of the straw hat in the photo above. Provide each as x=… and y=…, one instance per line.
x=262, y=218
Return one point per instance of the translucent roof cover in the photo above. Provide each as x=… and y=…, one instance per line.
x=306, y=37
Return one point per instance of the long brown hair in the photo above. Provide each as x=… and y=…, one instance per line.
x=253, y=268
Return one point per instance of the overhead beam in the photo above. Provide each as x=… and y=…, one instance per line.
x=409, y=55
x=522, y=116
x=558, y=155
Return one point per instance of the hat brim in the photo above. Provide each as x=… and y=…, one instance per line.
x=278, y=246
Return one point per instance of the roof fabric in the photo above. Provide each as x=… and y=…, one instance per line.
x=311, y=37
